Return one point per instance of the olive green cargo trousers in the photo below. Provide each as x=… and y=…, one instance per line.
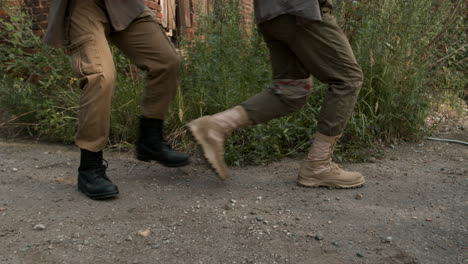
x=298, y=50
x=144, y=42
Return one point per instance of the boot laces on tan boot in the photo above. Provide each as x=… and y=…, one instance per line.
x=318, y=170
x=211, y=131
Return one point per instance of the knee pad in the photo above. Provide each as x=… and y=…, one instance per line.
x=294, y=93
x=292, y=89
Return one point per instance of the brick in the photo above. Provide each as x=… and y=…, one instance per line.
x=40, y=10
x=40, y=17
x=39, y=33
x=153, y=5
x=43, y=24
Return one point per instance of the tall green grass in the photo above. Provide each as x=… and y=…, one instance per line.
x=412, y=54
x=397, y=44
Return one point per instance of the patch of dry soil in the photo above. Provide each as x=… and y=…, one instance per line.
x=413, y=209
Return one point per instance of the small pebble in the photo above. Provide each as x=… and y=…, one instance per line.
x=155, y=246
x=14, y=169
x=388, y=239
x=318, y=237
x=360, y=255
x=359, y=196
x=144, y=233
x=39, y=227
x=24, y=249
x=80, y=247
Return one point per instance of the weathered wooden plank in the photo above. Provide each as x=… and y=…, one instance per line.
x=187, y=13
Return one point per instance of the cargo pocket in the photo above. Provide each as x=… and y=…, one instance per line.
x=85, y=57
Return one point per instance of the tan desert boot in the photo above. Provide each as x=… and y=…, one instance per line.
x=318, y=170
x=211, y=131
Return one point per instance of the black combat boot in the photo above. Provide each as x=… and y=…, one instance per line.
x=152, y=146
x=92, y=178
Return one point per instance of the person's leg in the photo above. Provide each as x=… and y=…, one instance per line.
x=144, y=42
x=291, y=80
x=325, y=51
x=288, y=93
x=92, y=63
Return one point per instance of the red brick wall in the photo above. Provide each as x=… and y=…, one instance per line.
x=247, y=9
x=154, y=5
x=39, y=10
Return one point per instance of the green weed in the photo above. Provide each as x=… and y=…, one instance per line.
x=413, y=55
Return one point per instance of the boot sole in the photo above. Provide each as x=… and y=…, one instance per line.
x=145, y=158
x=100, y=196
x=209, y=155
x=312, y=183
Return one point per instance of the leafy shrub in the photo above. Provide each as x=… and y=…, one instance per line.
x=35, y=80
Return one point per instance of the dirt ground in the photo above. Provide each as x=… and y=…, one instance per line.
x=413, y=209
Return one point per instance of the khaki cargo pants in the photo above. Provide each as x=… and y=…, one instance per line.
x=320, y=49
x=143, y=42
